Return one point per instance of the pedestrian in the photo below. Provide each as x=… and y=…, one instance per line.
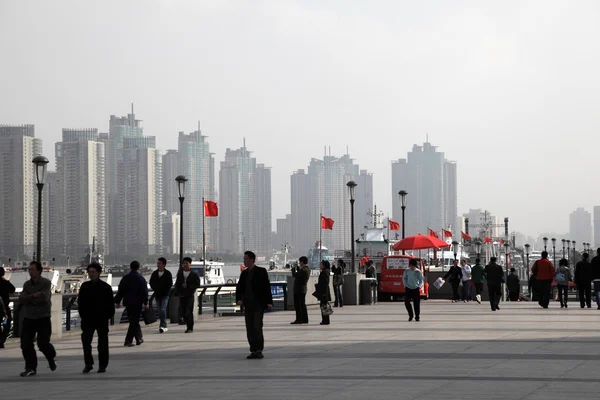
x=413, y=281
x=563, y=278
x=583, y=280
x=543, y=270
x=454, y=275
x=301, y=275
x=495, y=278
x=466, y=280
x=513, y=284
x=253, y=292
x=338, y=283
x=161, y=282
x=96, y=306
x=478, y=277
x=187, y=283
x=323, y=293
x=133, y=290
x=370, y=270
x=596, y=276
x=36, y=305
x=6, y=289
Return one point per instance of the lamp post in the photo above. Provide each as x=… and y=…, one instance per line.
x=403, y=194
x=568, y=250
x=563, y=243
x=41, y=163
x=574, y=252
x=527, y=258
x=554, y=250
x=506, y=258
x=545, y=239
x=181, y=180
x=478, y=247
x=351, y=186
x=455, y=247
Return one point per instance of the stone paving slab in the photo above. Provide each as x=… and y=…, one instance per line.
x=456, y=351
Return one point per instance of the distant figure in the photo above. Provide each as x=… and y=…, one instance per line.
x=186, y=285
x=370, y=270
x=323, y=293
x=563, y=278
x=478, y=277
x=6, y=289
x=301, y=275
x=35, y=299
x=543, y=270
x=133, y=290
x=495, y=279
x=253, y=292
x=338, y=283
x=583, y=280
x=454, y=275
x=466, y=280
x=161, y=282
x=513, y=284
x=413, y=282
x=596, y=276
x=96, y=306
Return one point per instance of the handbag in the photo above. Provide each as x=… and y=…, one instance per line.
x=338, y=280
x=326, y=309
x=148, y=313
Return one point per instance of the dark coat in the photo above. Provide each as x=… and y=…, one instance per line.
x=162, y=285
x=301, y=276
x=494, y=274
x=6, y=289
x=454, y=273
x=192, y=281
x=133, y=290
x=596, y=267
x=513, y=283
x=583, y=273
x=95, y=301
x=323, y=292
x=261, y=287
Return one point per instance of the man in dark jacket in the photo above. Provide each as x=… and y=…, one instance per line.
x=253, y=292
x=301, y=275
x=96, y=306
x=186, y=285
x=455, y=275
x=6, y=289
x=495, y=278
x=583, y=280
x=596, y=276
x=513, y=284
x=133, y=290
x=161, y=282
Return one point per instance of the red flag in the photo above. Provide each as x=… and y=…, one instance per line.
x=211, y=209
x=432, y=233
x=394, y=226
x=501, y=241
x=465, y=236
x=326, y=223
x=447, y=233
x=487, y=240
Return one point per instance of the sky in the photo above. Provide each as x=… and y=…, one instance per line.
x=508, y=89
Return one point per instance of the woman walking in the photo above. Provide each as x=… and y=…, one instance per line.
x=562, y=278
x=323, y=293
x=338, y=283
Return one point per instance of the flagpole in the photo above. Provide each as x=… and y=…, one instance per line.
x=204, y=237
x=320, y=237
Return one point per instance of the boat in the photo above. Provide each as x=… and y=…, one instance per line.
x=212, y=274
x=317, y=254
x=119, y=270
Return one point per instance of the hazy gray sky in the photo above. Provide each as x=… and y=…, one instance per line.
x=509, y=89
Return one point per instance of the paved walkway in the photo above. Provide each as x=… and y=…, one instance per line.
x=456, y=351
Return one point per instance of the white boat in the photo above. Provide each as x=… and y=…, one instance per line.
x=213, y=275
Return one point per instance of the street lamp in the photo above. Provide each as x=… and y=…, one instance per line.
x=506, y=258
x=455, y=247
x=568, y=250
x=554, y=250
x=574, y=253
x=478, y=247
x=526, y=275
x=351, y=186
x=41, y=163
x=563, y=243
x=403, y=194
x=545, y=239
x=181, y=180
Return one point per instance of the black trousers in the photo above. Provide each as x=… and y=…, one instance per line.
x=513, y=296
x=495, y=292
x=455, y=285
x=6, y=328
x=478, y=288
x=300, y=307
x=585, y=294
x=563, y=294
x=186, y=311
x=254, y=328
x=544, y=287
x=339, y=296
x=43, y=328
x=134, y=330
x=415, y=296
x=87, y=334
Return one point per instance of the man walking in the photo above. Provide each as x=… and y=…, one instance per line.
x=513, y=284
x=583, y=280
x=477, y=277
x=186, y=285
x=6, y=289
x=161, y=282
x=595, y=267
x=301, y=275
x=35, y=299
x=413, y=281
x=495, y=279
x=96, y=306
x=466, y=280
x=133, y=290
x=455, y=275
x=543, y=270
x=253, y=292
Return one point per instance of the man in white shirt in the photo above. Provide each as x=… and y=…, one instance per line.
x=466, y=280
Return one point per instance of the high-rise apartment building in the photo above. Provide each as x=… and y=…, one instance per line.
x=170, y=230
x=80, y=167
x=198, y=165
x=580, y=226
x=596, y=242
x=56, y=213
x=170, y=164
x=283, y=235
x=431, y=184
x=363, y=206
x=18, y=191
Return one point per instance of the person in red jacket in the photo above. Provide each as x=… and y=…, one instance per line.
x=543, y=270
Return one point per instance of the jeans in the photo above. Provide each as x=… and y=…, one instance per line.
x=466, y=290
x=495, y=291
x=300, y=307
x=87, y=334
x=339, y=296
x=254, y=328
x=415, y=296
x=186, y=311
x=161, y=304
x=43, y=328
x=563, y=294
x=134, y=331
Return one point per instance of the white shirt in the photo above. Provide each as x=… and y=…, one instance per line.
x=160, y=274
x=466, y=272
x=186, y=274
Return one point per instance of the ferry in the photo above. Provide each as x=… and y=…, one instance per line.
x=318, y=254
x=213, y=275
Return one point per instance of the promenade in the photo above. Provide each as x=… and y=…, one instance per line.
x=456, y=351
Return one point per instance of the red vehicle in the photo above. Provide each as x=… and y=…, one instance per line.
x=390, y=281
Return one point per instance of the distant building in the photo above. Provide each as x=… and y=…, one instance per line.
x=596, y=242
x=283, y=234
x=580, y=226
x=170, y=231
x=170, y=164
x=363, y=206
x=18, y=191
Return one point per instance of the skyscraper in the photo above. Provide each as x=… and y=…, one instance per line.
x=364, y=201
x=580, y=226
x=431, y=184
x=198, y=165
x=170, y=172
x=80, y=166
x=596, y=242
x=18, y=191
